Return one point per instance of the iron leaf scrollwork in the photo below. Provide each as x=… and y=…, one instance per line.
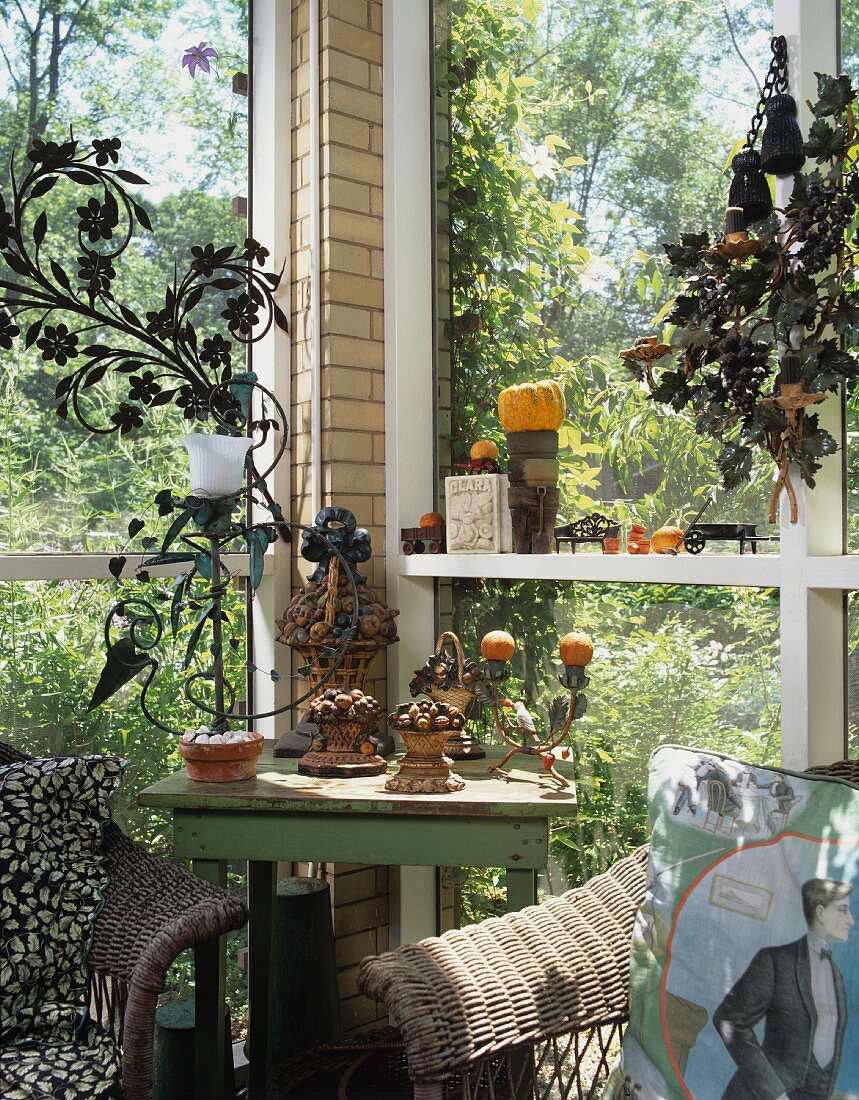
x=73, y=319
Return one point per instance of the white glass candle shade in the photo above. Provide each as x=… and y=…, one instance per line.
x=217, y=463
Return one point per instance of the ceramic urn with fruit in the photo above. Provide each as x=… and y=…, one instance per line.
x=425, y=726
x=343, y=746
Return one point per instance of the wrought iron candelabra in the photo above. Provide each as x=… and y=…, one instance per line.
x=521, y=733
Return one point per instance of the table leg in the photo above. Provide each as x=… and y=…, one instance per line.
x=521, y=888
x=210, y=963
x=262, y=880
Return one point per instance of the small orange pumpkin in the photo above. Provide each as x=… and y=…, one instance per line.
x=666, y=539
x=431, y=519
x=497, y=645
x=532, y=407
x=484, y=449
x=576, y=649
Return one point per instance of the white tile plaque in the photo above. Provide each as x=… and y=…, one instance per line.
x=478, y=518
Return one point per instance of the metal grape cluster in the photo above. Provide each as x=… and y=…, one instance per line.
x=760, y=325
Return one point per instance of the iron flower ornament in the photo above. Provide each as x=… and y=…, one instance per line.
x=161, y=358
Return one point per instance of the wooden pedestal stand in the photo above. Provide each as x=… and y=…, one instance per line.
x=533, y=494
x=424, y=769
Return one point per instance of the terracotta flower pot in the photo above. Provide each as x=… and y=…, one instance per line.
x=610, y=545
x=221, y=763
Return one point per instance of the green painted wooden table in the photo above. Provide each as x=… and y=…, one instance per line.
x=496, y=821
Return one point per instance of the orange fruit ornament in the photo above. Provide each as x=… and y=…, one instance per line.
x=484, y=449
x=576, y=649
x=431, y=519
x=497, y=645
x=666, y=539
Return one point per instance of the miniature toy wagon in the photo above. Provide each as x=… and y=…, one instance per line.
x=699, y=534
x=418, y=539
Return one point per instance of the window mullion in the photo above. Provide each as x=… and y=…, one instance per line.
x=812, y=619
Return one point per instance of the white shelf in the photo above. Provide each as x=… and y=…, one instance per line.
x=753, y=570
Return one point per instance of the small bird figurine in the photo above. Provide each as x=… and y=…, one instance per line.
x=524, y=721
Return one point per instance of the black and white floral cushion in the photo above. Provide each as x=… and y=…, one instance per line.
x=52, y=882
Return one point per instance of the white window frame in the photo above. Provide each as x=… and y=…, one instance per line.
x=811, y=571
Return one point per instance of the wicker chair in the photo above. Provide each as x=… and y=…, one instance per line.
x=153, y=911
x=530, y=1004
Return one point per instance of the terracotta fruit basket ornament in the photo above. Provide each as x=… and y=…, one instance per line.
x=520, y=730
x=425, y=727
x=220, y=757
x=448, y=676
x=531, y=414
x=321, y=616
x=343, y=745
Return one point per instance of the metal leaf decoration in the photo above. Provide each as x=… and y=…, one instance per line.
x=162, y=359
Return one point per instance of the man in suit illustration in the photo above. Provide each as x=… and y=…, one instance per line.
x=798, y=992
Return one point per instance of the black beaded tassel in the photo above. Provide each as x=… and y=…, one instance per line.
x=749, y=187
x=781, y=145
x=790, y=368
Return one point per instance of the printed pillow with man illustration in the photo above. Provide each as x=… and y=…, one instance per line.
x=744, y=980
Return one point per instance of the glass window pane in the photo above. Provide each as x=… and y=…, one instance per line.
x=51, y=657
x=115, y=70
x=673, y=664
x=850, y=65
x=572, y=140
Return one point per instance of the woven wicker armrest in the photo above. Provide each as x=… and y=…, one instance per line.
x=549, y=969
x=153, y=911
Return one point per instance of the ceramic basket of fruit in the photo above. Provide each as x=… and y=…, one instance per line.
x=317, y=617
x=342, y=745
x=425, y=727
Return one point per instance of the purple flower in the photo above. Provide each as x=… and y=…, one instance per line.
x=199, y=57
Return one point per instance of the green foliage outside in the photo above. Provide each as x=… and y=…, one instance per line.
x=579, y=139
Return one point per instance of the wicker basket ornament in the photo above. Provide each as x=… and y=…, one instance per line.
x=343, y=745
x=450, y=677
x=315, y=620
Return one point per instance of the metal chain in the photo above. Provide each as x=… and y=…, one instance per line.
x=774, y=84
